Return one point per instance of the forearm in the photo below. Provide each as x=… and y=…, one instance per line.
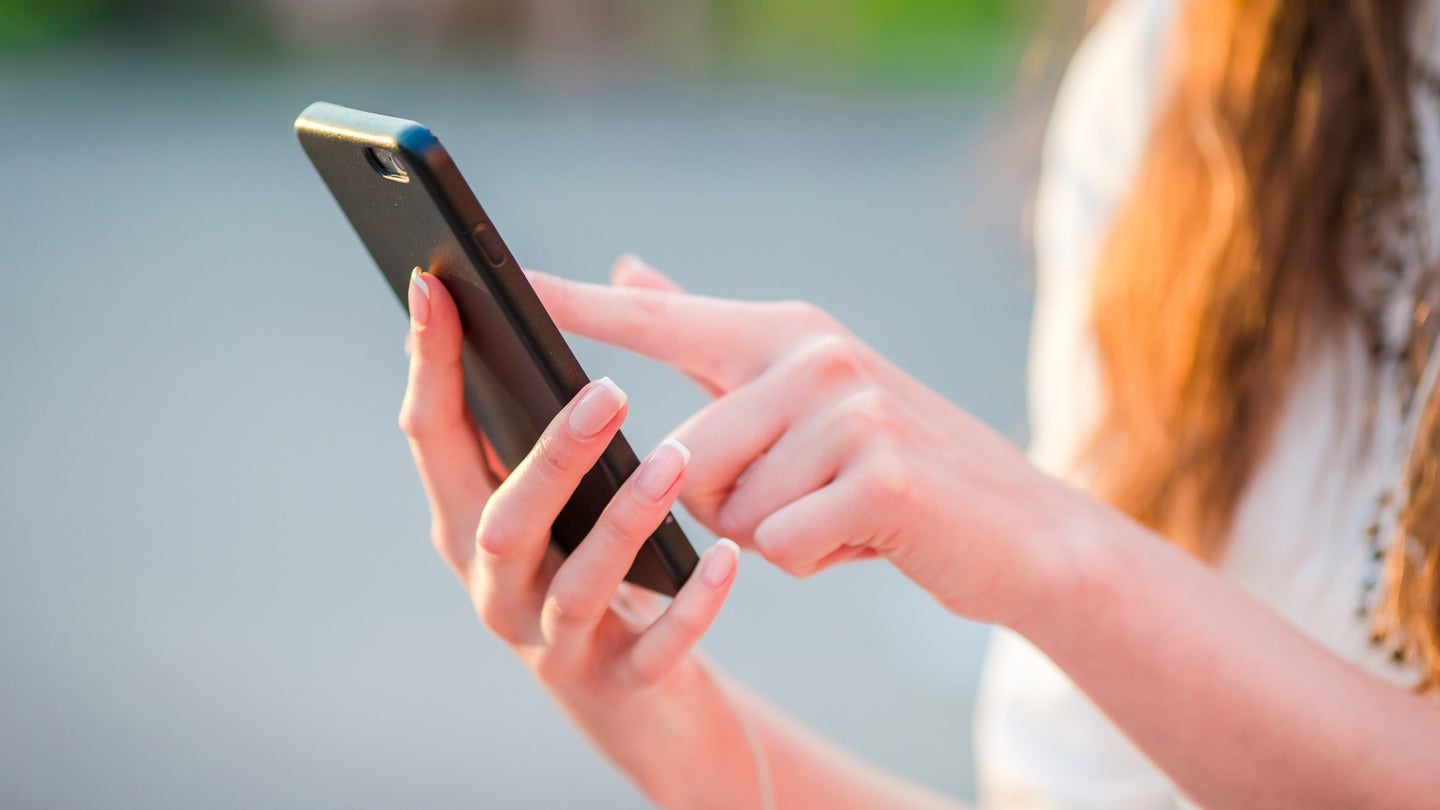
x=810, y=771
x=687, y=746
x=1235, y=705
x=679, y=742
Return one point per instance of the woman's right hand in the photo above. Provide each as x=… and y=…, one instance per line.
x=686, y=735
x=555, y=613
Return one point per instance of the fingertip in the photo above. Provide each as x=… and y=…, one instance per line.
x=689, y=616
x=718, y=565
x=614, y=389
x=418, y=300
x=625, y=266
x=601, y=404
x=433, y=317
x=632, y=271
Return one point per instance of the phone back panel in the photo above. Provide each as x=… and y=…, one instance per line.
x=519, y=372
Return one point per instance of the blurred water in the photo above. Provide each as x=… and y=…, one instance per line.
x=215, y=584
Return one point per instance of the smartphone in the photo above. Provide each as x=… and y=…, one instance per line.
x=410, y=206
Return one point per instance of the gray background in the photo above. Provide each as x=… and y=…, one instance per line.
x=216, y=587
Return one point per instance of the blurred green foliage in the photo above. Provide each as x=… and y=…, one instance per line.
x=840, y=40
x=43, y=22
x=179, y=24
x=881, y=38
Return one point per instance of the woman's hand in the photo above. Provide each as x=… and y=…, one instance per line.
x=555, y=613
x=631, y=682
x=817, y=450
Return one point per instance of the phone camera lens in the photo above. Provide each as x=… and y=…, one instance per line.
x=387, y=164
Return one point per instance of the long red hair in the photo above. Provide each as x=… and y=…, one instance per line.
x=1226, y=264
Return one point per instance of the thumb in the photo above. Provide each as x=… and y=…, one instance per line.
x=631, y=271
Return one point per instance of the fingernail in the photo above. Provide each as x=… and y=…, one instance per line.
x=419, y=299
x=631, y=258
x=719, y=563
x=596, y=408
x=662, y=469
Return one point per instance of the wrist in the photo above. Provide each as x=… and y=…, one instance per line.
x=1073, y=564
x=678, y=742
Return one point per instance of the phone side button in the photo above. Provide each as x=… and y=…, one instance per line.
x=489, y=243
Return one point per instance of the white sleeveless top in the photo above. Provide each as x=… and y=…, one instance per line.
x=1299, y=540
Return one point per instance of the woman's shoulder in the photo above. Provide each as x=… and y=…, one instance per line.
x=1101, y=121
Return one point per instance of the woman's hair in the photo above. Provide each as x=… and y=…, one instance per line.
x=1231, y=260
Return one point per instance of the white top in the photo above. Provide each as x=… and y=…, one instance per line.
x=1299, y=540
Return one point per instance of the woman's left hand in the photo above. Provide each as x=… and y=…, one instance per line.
x=817, y=450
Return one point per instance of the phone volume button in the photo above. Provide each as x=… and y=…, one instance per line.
x=488, y=241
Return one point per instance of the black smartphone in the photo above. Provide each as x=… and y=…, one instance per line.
x=407, y=201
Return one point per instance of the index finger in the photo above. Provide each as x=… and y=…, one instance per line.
x=724, y=343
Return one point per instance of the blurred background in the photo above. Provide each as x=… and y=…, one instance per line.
x=216, y=587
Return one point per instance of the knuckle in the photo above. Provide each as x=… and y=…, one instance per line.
x=554, y=456
x=649, y=307
x=805, y=317
x=628, y=522
x=495, y=618
x=733, y=520
x=563, y=609
x=777, y=548
x=652, y=303
x=870, y=405
x=865, y=416
x=731, y=523
x=492, y=621
x=887, y=482
x=552, y=670
x=832, y=360
x=414, y=422
x=494, y=537
x=422, y=420
x=624, y=526
x=846, y=427
x=642, y=673
x=689, y=625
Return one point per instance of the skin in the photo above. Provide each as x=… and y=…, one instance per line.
x=817, y=451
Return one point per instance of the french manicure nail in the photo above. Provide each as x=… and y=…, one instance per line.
x=719, y=563
x=419, y=304
x=596, y=408
x=662, y=469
